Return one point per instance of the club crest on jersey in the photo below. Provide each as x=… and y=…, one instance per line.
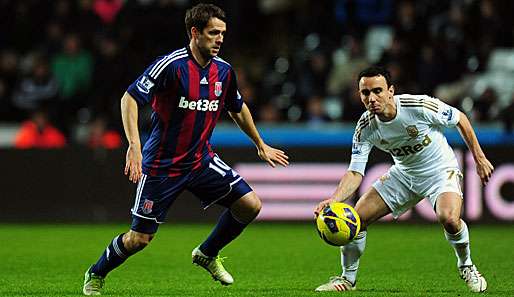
x=384, y=177
x=147, y=206
x=217, y=88
x=412, y=131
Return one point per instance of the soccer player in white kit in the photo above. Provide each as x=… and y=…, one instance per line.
x=409, y=128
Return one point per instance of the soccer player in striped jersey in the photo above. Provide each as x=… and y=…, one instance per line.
x=409, y=128
x=188, y=89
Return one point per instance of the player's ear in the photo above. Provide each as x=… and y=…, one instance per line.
x=391, y=90
x=194, y=32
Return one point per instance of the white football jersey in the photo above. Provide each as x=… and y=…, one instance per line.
x=414, y=138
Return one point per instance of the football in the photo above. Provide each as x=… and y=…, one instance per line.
x=338, y=224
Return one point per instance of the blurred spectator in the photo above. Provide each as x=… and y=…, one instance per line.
x=36, y=90
x=107, y=10
x=348, y=60
x=268, y=113
x=372, y=12
x=52, y=43
x=315, y=113
x=507, y=116
x=63, y=12
x=38, y=132
x=355, y=14
x=88, y=22
x=485, y=108
x=100, y=136
x=110, y=77
x=352, y=105
x=8, y=80
x=449, y=42
x=313, y=75
x=19, y=20
x=73, y=67
x=430, y=70
x=407, y=24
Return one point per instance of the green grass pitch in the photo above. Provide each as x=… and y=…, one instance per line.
x=269, y=259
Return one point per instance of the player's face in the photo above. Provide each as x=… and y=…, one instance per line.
x=375, y=94
x=210, y=39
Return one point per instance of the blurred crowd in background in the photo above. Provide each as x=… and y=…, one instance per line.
x=64, y=64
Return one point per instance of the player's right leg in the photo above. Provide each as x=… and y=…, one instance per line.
x=370, y=208
x=118, y=250
x=150, y=207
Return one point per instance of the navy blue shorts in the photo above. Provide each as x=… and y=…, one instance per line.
x=215, y=183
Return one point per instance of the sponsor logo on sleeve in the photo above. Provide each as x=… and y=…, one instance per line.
x=356, y=149
x=145, y=84
x=448, y=113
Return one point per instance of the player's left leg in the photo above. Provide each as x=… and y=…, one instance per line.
x=448, y=209
x=219, y=184
x=230, y=225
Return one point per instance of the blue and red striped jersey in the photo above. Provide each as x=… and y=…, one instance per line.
x=186, y=100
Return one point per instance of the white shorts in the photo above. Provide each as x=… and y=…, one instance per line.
x=401, y=192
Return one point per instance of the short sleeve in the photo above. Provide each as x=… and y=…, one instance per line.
x=233, y=100
x=440, y=113
x=156, y=77
x=361, y=147
x=360, y=153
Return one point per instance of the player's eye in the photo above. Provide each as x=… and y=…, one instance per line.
x=365, y=92
x=377, y=90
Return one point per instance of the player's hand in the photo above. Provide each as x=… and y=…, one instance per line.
x=322, y=205
x=484, y=169
x=133, y=163
x=273, y=155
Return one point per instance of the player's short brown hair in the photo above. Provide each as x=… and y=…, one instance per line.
x=199, y=15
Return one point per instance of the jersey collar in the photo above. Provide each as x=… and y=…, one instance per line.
x=190, y=53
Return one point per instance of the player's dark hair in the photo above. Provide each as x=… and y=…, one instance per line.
x=374, y=71
x=199, y=15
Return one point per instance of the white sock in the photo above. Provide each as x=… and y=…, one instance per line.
x=350, y=255
x=460, y=243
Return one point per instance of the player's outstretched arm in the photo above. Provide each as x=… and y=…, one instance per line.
x=267, y=153
x=129, y=116
x=484, y=167
x=349, y=183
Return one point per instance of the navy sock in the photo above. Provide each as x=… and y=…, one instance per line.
x=226, y=230
x=113, y=256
